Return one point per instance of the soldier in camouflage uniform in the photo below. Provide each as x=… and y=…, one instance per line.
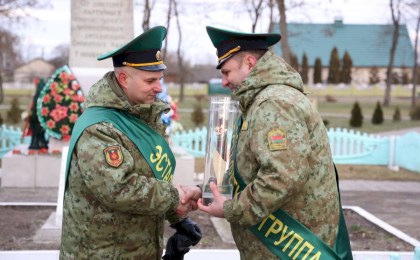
x=116, y=199
x=280, y=152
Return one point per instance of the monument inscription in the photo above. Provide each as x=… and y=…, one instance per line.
x=97, y=27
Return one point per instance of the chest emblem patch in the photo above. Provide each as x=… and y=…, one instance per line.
x=277, y=140
x=114, y=156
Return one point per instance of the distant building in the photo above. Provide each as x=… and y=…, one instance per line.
x=367, y=44
x=37, y=68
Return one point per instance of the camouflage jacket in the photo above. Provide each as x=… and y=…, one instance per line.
x=296, y=175
x=115, y=212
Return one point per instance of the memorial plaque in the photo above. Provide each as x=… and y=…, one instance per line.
x=97, y=27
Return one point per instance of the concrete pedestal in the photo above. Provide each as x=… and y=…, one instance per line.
x=22, y=170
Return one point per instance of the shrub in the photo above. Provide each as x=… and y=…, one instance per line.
x=14, y=114
x=415, y=113
x=378, y=115
x=197, y=116
x=356, y=119
x=397, y=114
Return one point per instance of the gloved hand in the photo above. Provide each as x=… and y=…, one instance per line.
x=187, y=234
x=178, y=245
x=188, y=228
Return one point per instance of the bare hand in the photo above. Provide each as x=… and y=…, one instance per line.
x=192, y=194
x=216, y=207
x=182, y=209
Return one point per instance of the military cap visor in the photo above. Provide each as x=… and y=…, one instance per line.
x=143, y=52
x=229, y=42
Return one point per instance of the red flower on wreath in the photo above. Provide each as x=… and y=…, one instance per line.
x=58, y=98
x=75, y=86
x=54, y=87
x=46, y=99
x=73, y=118
x=59, y=113
x=74, y=107
x=68, y=92
x=50, y=123
x=65, y=129
x=62, y=100
x=64, y=78
x=44, y=111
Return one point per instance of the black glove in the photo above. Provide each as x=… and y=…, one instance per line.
x=187, y=234
x=188, y=228
x=178, y=245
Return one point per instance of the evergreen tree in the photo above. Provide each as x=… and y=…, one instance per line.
x=397, y=114
x=345, y=73
x=304, y=70
x=318, y=71
x=294, y=62
x=415, y=113
x=197, y=116
x=334, y=68
x=404, y=76
x=14, y=114
x=395, y=78
x=356, y=119
x=374, y=75
x=378, y=115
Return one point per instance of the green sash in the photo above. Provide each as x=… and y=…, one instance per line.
x=286, y=237
x=152, y=146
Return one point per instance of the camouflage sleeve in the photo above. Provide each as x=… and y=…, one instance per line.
x=121, y=188
x=172, y=217
x=282, y=170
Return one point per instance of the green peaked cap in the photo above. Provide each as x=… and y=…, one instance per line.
x=143, y=52
x=229, y=42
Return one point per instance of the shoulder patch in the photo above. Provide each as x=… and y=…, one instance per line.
x=113, y=155
x=277, y=140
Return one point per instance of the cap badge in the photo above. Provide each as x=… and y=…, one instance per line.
x=158, y=56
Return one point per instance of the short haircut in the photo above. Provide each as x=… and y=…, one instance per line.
x=256, y=53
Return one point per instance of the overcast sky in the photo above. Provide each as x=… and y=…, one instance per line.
x=52, y=26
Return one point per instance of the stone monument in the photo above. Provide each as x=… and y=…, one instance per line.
x=97, y=27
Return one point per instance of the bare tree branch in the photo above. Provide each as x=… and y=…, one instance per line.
x=415, y=6
x=14, y=10
x=182, y=72
x=396, y=16
x=255, y=11
x=283, y=30
x=146, y=15
x=168, y=22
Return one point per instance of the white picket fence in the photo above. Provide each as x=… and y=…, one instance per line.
x=347, y=147
x=10, y=137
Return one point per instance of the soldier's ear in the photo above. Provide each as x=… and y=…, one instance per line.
x=250, y=61
x=122, y=77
